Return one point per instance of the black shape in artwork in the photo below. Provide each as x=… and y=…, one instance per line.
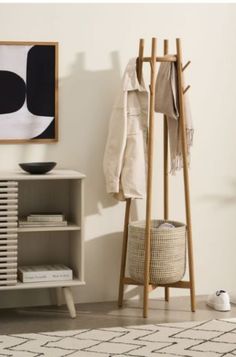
x=40, y=80
x=48, y=133
x=12, y=92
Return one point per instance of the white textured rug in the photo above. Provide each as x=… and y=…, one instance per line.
x=214, y=338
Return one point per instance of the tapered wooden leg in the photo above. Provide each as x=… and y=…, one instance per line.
x=167, y=294
x=69, y=301
x=149, y=181
x=182, y=124
x=124, y=252
x=58, y=292
x=165, y=171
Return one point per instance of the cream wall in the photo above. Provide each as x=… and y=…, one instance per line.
x=96, y=42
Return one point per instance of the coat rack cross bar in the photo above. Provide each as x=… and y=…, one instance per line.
x=179, y=284
x=147, y=286
x=160, y=59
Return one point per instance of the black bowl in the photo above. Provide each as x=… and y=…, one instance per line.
x=37, y=168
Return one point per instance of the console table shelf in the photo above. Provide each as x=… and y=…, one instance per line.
x=69, y=227
x=44, y=285
x=57, y=191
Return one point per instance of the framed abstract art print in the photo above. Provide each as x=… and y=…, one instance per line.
x=28, y=92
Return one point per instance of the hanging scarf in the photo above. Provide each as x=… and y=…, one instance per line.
x=166, y=102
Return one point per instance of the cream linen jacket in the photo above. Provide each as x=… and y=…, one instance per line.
x=125, y=154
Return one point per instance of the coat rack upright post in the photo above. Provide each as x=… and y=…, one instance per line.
x=124, y=252
x=147, y=286
x=182, y=126
x=165, y=168
x=128, y=201
x=149, y=180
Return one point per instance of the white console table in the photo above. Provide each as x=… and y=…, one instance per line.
x=56, y=191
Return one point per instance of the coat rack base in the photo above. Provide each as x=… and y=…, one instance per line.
x=183, y=284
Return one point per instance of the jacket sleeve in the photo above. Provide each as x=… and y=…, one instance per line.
x=115, y=146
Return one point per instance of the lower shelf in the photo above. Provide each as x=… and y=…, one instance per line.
x=44, y=284
x=69, y=227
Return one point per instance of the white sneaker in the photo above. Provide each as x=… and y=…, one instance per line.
x=219, y=301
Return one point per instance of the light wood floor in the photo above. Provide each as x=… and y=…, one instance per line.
x=105, y=314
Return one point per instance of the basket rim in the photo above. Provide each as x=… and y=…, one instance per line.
x=142, y=223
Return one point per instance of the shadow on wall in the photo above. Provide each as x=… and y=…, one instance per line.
x=87, y=102
x=221, y=199
x=88, y=97
x=106, y=253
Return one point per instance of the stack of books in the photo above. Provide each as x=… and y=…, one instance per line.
x=37, y=273
x=43, y=219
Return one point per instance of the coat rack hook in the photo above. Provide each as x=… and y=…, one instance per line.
x=140, y=60
x=186, y=65
x=186, y=89
x=150, y=89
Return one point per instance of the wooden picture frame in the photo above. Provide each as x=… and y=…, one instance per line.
x=28, y=92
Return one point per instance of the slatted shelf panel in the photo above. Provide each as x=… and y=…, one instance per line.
x=8, y=232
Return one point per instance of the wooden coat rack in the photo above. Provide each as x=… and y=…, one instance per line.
x=182, y=127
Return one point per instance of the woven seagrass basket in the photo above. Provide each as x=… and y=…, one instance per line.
x=168, y=252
